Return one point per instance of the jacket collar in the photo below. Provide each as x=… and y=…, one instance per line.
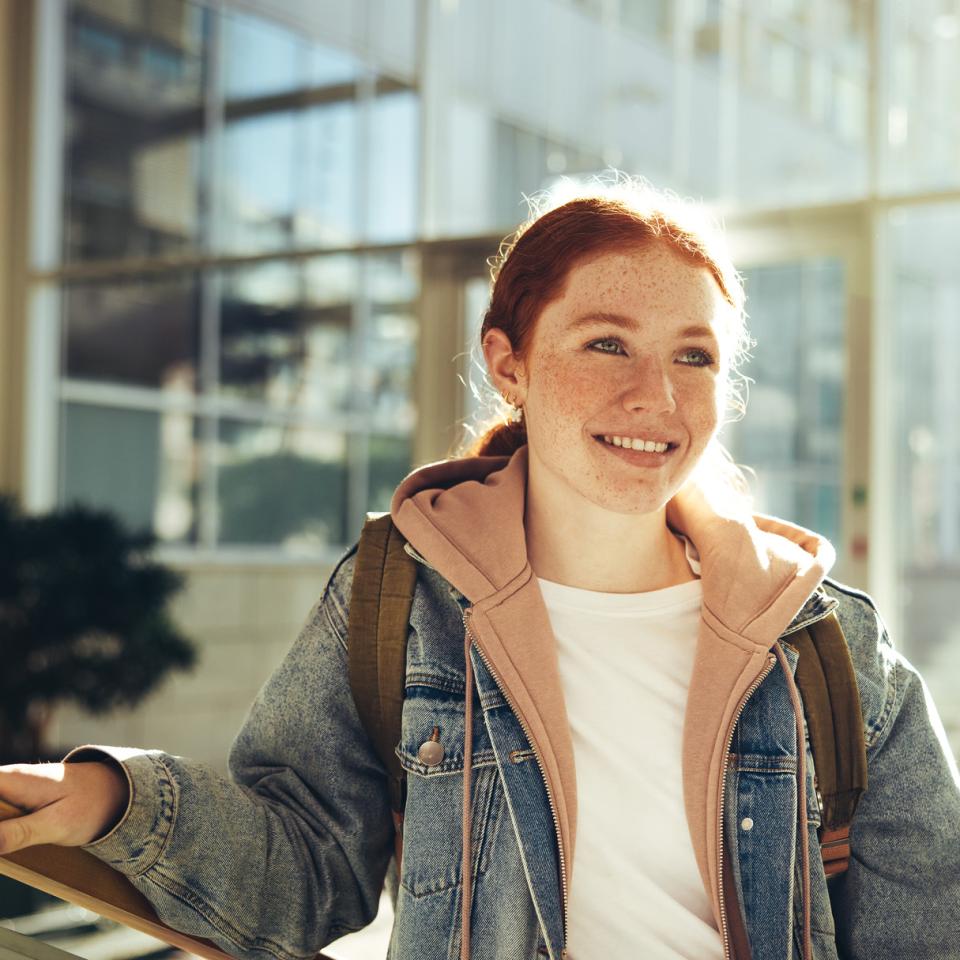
x=760, y=580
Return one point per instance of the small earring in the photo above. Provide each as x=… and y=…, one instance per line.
x=516, y=411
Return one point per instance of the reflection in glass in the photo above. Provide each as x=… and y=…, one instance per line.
x=791, y=435
x=926, y=409
x=135, y=94
x=922, y=140
x=281, y=484
x=289, y=160
x=140, y=331
x=289, y=176
x=286, y=334
x=390, y=340
x=389, y=462
x=393, y=157
x=260, y=57
x=258, y=181
x=802, y=106
x=140, y=464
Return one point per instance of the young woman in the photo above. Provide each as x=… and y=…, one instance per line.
x=601, y=724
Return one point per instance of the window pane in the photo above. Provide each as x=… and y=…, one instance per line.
x=142, y=331
x=393, y=156
x=140, y=464
x=260, y=57
x=922, y=139
x=791, y=435
x=290, y=146
x=281, y=484
x=390, y=461
x=802, y=106
x=926, y=408
x=390, y=341
x=135, y=94
x=286, y=334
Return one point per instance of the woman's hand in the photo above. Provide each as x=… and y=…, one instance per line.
x=70, y=804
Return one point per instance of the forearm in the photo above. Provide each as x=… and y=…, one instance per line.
x=291, y=852
x=247, y=870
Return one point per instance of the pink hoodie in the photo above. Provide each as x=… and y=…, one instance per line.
x=465, y=518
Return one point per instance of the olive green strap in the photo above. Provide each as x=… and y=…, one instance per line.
x=828, y=686
x=384, y=578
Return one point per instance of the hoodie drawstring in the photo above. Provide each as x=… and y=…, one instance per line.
x=802, y=793
x=467, y=866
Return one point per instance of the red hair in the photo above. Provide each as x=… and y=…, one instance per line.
x=534, y=263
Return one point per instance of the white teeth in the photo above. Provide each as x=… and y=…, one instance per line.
x=635, y=443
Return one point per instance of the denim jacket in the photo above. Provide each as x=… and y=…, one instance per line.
x=291, y=852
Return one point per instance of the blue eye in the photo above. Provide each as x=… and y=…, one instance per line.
x=701, y=357
x=598, y=345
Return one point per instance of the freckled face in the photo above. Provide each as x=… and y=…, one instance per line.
x=632, y=349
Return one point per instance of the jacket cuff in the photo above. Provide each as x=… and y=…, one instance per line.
x=135, y=842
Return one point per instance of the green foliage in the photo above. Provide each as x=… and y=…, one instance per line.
x=83, y=616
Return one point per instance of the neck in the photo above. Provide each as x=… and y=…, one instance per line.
x=597, y=549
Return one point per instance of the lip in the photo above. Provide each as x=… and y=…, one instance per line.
x=640, y=458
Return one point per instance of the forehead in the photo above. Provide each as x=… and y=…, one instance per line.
x=649, y=284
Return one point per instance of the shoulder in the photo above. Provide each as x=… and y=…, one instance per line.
x=882, y=671
x=333, y=607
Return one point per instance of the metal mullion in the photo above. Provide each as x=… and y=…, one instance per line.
x=728, y=137
x=883, y=572
x=681, y=40
x=211, y=285
x=127, y=398
x=148, y=399
x=358, y=439
x=43, y=461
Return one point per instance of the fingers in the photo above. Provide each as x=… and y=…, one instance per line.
x=34, y=828
x=68, y=804
x=30, y=794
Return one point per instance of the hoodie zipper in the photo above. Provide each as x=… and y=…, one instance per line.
x=725, y=932
x=771, y=662
x=536, y=752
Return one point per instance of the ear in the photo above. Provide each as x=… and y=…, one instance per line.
x=506, y=369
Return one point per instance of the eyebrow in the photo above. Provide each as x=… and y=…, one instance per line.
x=628, y=323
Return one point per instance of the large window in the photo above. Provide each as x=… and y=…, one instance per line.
x=223, y=380
x=924, y=408
x=249, y=405
x=792, y=435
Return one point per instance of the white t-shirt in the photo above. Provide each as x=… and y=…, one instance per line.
x=625, y=665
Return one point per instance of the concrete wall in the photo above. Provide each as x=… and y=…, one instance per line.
x=243, y=620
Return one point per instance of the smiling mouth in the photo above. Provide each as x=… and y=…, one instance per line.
x=635, y=444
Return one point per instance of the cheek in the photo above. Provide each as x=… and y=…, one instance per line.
x=558, y=390
x=702, y=404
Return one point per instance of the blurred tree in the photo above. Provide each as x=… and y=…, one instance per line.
x=83, y=617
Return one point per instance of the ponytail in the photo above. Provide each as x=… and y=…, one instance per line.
x=499, y=438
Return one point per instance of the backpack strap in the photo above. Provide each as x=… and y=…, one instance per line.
x=831, y=699
x=384, y=578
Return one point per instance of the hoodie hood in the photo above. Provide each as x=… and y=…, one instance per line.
x=465, y=518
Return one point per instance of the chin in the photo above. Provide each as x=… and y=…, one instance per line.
x=630, y=504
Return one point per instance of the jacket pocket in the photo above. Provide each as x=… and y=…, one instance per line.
x=431, y=750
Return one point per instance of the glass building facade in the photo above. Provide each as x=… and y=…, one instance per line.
x=261, y=251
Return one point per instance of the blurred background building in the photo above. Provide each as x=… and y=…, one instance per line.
x=244, y=250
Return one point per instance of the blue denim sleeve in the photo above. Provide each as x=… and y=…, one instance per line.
x=901, y=894
x=291, y=852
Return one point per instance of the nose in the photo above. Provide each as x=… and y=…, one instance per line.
x=649, y=387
